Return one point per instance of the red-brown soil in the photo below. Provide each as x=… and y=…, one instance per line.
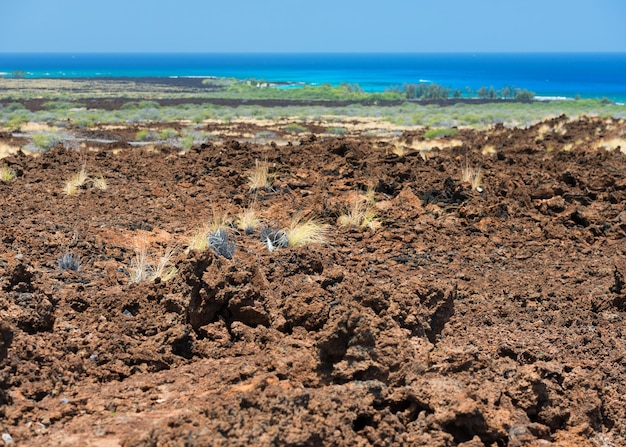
x=469, y=318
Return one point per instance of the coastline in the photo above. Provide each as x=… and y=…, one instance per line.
x=566, y=75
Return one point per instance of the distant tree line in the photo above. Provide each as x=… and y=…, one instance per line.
x=436, y=91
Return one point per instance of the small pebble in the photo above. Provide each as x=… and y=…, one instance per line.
x=7, y=438
x=65, y=400
x=93, y=357
x=127, y=313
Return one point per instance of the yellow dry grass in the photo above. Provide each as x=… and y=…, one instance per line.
x=303, y=232
x=199, y=239
x=612, y=144
x=99, y=182
x=360, y=214
x=76, y=181
x=144, y=268
x=248, y=220
x=7, y=150
x=260, y=177
x=7, y=173
x=471, y=175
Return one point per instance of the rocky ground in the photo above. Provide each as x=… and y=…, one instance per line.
x=487, y=315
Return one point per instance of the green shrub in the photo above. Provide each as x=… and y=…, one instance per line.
x=144, y=135
x=15, y=124
x=61, y=105
x=14, y=106
x=46, y=140
x=440, y=133
x=168, y=133
x=295, y=128
x=148, y=105
x=337, y=130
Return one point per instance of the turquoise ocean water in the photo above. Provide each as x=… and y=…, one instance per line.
x=564, y=75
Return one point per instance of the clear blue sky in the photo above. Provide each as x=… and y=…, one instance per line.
x=312, y=26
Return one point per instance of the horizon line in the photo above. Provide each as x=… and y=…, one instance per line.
x=306, y=52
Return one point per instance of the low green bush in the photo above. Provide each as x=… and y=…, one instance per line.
x=295, y=128
x=440, y=133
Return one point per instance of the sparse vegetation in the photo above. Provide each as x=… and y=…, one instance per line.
x=168, y=134
x=7, y=173
x=295, y=128
x=274, y=239
x=221, y=243
x=248, y=220
x=68, y=261
x=305, y=231
x=440, y=133
x=613, y=144
x=360, y=214
x=145, y=268
x=47, y=140
x=340, y=131
x=76, y=181
x=471, y=175
x=260, y=177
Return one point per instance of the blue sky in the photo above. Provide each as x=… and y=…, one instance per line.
x=312, y=26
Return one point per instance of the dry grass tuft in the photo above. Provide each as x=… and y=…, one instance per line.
x=612, y=144
x=489, y=150
x=76, y=181
x=199, y=240
x=399, y=149
x=260, y=177
x=140, y=268
x=7, y=173
x=99, y=182
x=143, y=268
x=471, y=175
x=248, y=220
x=164, y=268
x=303, y=232
x=361, y=214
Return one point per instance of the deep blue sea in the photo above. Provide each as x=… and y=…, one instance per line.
x=588, y=75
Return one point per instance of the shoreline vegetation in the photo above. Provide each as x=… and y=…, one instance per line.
x=65, y=105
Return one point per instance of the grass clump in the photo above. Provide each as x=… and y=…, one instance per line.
x=260, y=177
x=248, y=220
x=46, y=140
x=303, y=232
x=440, y=133
x=76, y=181
x=99, y=182
x=340, y=131
x=472, y=175
x=361, y=214
x=295, y=128
x=7, y=173
x=215, y=236
x=144, y=268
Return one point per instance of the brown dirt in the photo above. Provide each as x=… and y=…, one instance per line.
x=493, y=318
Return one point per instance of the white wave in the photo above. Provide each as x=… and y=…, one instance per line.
x=553, y=98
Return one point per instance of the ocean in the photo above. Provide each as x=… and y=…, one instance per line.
x=549, y=75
